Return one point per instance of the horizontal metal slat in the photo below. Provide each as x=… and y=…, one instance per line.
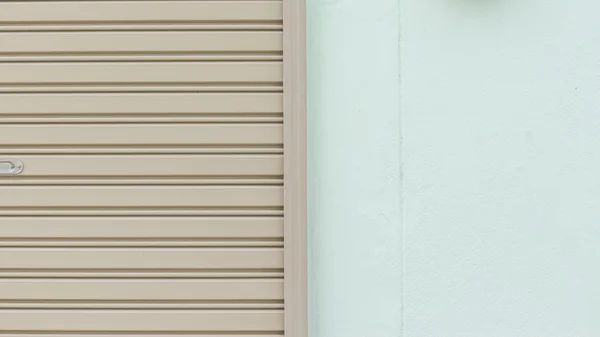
x=142, y=321
x=140, y=196
x=139, y=42
x=152, y=305
x=137, y=26
x=137, y=150
x=165, y=166
x=140, y=228
x=141, y=135
x=99, y=274
x=154, y=88
x=140, y=258
x=55, y=334
x=119, y=243
x=141, y=181
x=155, y=211
x=161, y=57
x=140, y=290
x=136, y=104
x=140, y=73
x=139, y=11
x=145, y=119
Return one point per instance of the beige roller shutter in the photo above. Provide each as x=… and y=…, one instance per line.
x=152, y=168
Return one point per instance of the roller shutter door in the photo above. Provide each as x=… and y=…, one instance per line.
x=142, y=169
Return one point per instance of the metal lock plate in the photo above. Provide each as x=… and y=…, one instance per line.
x=10, y=166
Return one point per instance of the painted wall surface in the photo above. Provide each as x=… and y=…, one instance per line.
x=500, y=104
x=494, y=227
x=354, y=168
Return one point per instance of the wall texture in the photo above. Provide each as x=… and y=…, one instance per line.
x=500, y=104
x=493, y=229
x=354, y=168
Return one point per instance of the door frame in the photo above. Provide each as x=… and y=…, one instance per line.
x=294, y=117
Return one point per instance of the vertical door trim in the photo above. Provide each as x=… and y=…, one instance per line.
x=294, y=115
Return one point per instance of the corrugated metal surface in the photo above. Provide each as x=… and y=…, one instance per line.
x=152, y=196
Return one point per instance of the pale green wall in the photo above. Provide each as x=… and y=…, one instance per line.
x=501, y=128
x=354, y=168
x=494, y=228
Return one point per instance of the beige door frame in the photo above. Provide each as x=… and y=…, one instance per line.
x=295, y=238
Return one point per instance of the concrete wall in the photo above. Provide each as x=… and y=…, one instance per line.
x=493, y=229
